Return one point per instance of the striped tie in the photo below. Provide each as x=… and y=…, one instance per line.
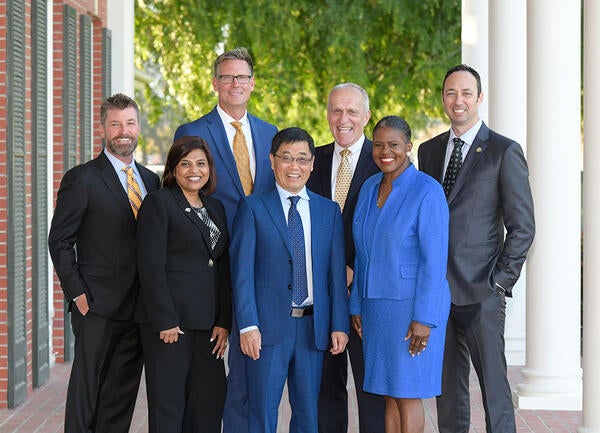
x=134, y=194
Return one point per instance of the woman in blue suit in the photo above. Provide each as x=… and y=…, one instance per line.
x=185, y=294
x=400, y=299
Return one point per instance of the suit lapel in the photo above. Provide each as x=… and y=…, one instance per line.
x=273, y=204
x=147, y=178
x=326, y=165
x=183, y=204
x=317, y=213
x=476, y=151
x=111, y=179
x=439, y=154
x=360, y=173
x=261, y=152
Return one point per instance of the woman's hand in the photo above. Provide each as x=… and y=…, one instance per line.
x=357, y=324
x=170, y=335
x=418, y=334
x=219, y=334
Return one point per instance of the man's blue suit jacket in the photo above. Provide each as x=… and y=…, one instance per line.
x=229, y=187
x=261, y=262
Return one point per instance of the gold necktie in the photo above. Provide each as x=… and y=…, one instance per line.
x=242, y=158
x=343, y=178
x=134, y=194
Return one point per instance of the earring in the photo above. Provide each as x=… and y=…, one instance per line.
x=408, y=153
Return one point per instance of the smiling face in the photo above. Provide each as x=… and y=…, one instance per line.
x=390, y=148
x=292, y=176
x=120, y=131
x=192, y=173
x=233, y=97
x=347, y=115
x=461, y=101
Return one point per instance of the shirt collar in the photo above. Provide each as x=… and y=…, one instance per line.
x=283, y=194
x=227, y=119
x=469, y=136
x=355, y=148
x=118, y=164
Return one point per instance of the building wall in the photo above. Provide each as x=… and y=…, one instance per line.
x=48, y=112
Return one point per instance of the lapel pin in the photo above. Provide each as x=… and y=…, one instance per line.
x=187, y=209
x=478, y=150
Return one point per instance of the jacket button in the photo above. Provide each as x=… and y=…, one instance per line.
x=290, y=261
x=210, y=263
x=289, y=287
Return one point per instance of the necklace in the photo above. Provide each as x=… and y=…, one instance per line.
x=382, y=194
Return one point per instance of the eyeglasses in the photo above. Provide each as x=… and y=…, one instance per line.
x=228, y=79
x=302, y=161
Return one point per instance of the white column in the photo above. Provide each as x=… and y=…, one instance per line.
x=474, y=36
x=591, y=218
x=552, y=375
x=120, y=21
x=507, y=96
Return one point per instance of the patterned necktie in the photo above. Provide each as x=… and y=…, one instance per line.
x=453, y=166
x=343, y=178
x=214, y=231
x=296, y=233
x=134, y=194
x=242, y=158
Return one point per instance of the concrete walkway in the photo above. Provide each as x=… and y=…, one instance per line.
x=43, y=411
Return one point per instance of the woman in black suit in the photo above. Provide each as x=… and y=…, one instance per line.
x=185, y=293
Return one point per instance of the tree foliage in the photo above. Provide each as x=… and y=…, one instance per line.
x=398, y=50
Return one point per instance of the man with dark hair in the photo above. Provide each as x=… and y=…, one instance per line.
x=239, y=143
x=485, y=178
x=92, y=243
x=340, y=169
x=289, y=288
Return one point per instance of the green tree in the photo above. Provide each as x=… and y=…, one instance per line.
x=398, y=50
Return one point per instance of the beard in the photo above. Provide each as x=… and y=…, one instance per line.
x=120, y=149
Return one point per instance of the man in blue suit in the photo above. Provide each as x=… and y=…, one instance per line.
x=289, y=287
x=239, y=143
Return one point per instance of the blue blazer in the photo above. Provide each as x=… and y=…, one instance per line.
x=261, y=263
x=229, y=187
x=404, y=255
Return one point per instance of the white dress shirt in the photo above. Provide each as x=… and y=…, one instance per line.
x=355, y=148
x=230, y=131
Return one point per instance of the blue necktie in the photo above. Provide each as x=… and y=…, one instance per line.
x=296, y=232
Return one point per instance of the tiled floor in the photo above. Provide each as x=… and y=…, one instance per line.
x=43, y=411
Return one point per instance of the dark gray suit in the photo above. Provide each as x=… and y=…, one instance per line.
x=333, y=398
x=491, y=195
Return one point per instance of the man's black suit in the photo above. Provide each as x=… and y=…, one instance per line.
x=491, y=194
x=93, y=247
x=333, y=398
x=185, y=283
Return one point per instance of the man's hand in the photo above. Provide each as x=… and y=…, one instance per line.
x=338, y=342
x=82, y=304
x=250, y=343
x=170, y=335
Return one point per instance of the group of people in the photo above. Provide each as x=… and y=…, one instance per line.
x=292, y=259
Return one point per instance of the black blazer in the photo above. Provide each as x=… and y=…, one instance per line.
x=320, y=182
x=92, y=237
x=491, y=194
x=183, y=282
